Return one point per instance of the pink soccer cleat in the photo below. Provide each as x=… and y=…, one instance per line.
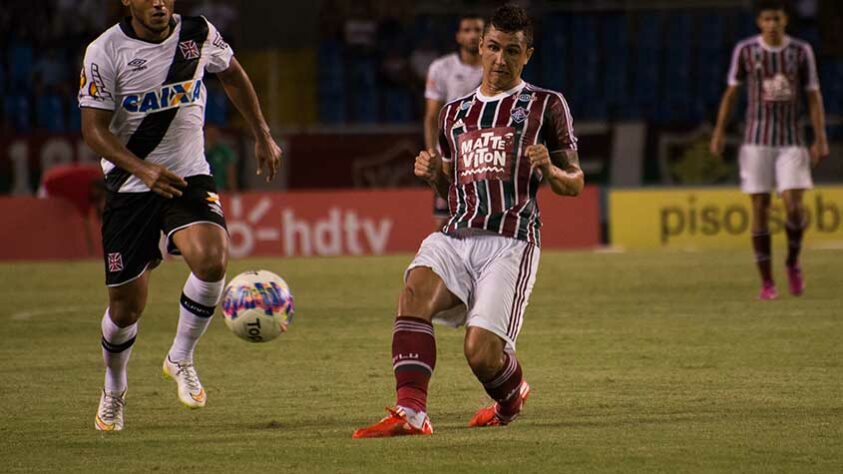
x=768, y=292
x=795, y=281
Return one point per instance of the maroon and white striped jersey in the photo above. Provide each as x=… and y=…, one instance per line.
x=484, y=138
x=775, y=79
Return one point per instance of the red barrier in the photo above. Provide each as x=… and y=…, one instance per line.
x=46, y=229
x=364, y=222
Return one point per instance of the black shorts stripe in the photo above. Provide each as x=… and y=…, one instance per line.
x=117, y=348
x=196, y=308
x=154, y=126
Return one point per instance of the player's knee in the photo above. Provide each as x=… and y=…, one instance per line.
x=485, y=359
x=413, y=302
x=125, y=312
x=212, y=265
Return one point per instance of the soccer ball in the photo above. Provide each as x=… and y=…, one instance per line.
x=256, y=305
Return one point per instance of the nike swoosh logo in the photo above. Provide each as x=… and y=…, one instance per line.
x=199, y=397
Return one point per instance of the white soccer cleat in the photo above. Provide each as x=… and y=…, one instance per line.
x=110, y=412
x=191, y=393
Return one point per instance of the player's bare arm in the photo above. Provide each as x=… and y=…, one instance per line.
x=430, y=167
x=240, y=90
x=95, y=131
x=819, y=150
x=561, y=169
x=431, y=122
x=727, y=103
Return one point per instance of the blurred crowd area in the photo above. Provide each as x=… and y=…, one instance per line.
x=367, y=61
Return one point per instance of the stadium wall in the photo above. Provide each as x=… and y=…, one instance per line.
x=292, y=224
x=704, y=218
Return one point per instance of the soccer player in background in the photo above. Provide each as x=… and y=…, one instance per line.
x=142, y=101
x=497, y=146
x=776, y=68
x=449, y=78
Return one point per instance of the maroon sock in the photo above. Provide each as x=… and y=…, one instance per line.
x=504, y=386
x=413, y=360
x=794, y=241
x=761, y=244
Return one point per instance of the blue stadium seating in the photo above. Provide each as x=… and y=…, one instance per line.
x=49, y=115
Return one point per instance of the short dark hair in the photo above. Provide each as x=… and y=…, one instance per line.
x=511, y=19
x=765, y=5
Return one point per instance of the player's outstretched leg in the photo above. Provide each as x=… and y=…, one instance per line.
x=117, y=345
x=413, y=361
x=413, y=355
x=204, y=247
x=198, y=300
x=501, y=376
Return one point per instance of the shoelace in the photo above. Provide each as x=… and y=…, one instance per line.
x=190, y=375
x=111, y=405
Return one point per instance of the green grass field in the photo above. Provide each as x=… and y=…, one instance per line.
x=638, y=362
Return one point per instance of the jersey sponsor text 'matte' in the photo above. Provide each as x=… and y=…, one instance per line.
x=493, y=187
x=156, y=92
x=775, y=77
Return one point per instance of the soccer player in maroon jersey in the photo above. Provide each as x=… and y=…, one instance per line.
x=776, y=68
x=498, y=144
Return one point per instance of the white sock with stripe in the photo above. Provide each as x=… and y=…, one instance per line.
x=198, y=301
x=117, y=345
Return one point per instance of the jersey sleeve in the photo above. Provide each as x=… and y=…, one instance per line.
x=219, y=52
x=808, y=70
x=559, y=128
x=442, y=141
x=98, y=79
x=435, y=87
x=737, y=72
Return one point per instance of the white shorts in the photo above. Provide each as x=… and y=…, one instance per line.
x=491, y=274
x=762, y=167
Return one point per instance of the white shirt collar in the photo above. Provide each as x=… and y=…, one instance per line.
x=485, y=98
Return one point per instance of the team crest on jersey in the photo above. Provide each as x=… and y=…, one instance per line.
x=189, y=49
x=164, y=97
x=115, y=262
x=777, y=89
x=519, y=114
x=484, y=154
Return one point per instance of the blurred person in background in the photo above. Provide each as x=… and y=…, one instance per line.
x=450, y=77
x=777, y=69
x=221, y=158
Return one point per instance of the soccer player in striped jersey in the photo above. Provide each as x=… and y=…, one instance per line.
x=497, y=144
x=448, y=78
x=776, y=68
x=142, y=98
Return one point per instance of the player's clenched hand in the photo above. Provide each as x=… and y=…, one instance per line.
x=428, y=165
x=268, y=154
x=539, y=157
x=161, y=180
x=819, y=151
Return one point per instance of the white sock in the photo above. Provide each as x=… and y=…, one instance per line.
x=416, y=418
x=198, y=301
x=117, y=345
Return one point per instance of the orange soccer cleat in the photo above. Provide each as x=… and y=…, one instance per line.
x=394, y=424
x=489, y=415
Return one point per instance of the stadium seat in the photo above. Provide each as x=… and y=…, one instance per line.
x=16, y=112
x=49, y=115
